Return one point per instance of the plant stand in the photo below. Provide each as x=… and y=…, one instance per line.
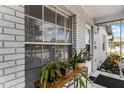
x=62, y=82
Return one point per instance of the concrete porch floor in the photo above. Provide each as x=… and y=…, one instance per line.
x=97, y=72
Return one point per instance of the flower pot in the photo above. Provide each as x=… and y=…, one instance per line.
x=65, y=71
x=80, y=65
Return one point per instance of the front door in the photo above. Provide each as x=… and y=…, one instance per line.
x=89, y=40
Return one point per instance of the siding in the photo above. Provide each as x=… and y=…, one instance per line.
x=12, y=57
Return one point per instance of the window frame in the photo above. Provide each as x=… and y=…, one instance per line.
x=42, y=43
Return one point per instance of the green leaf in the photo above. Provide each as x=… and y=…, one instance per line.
x=46, y=77
x=42, y=74
x=58, y=73
x=86, y=77
x=51, y=74
x=82, y=83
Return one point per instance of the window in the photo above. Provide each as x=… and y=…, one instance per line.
x=47, y=39
x=60, y=20
x=27, y=55
x=60, y=35
x=60, y=53
x=49, y=32
x=49, y=15
x=87, y=36
x=104, y=42
x=34, y=10
x=30, y=76
x=33, y=56
x=67, y=52
x=48, y=53
x=68, y=36
x=68, y=23
x=33, y=29
x=36, y=53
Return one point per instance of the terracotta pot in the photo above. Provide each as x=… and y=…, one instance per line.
x=66, y=71
x=80, y=65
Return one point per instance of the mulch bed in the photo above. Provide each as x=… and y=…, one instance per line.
x=110, y=68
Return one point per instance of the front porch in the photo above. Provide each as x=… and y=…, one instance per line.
x=46, y=42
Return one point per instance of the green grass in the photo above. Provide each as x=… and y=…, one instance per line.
x=117, y=53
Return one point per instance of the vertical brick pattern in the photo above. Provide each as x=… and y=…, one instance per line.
x=12, y=53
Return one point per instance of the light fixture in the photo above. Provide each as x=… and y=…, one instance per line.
x=97, y=30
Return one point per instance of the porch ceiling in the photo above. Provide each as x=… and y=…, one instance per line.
x=98, y=11
x=102, y=13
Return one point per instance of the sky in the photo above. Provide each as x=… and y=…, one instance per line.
x=116, y=30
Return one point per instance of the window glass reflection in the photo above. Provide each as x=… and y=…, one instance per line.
x=68, y=23
x=68, y=52
x=27, y=53
x=33, y=56
x=34, y=10
x=60, y=20
x=68, y=36
x=33, y=29
x=60, y=35
x=49, y=15
x=49, y=32
x=60, y=53
x=48, y=53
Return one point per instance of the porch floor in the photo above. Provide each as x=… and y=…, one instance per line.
x=96, y=73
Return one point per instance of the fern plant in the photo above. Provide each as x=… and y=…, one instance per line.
x=50, y=73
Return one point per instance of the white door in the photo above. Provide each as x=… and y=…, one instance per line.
x=89, y=44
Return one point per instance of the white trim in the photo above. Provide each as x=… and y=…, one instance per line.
x=47, y=21
x=40, y=43
x=58, y=10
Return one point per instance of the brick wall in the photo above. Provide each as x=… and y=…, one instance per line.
x=12, y=56
x=82, y=18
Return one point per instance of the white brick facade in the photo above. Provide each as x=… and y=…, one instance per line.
x=12, y=38
x=14, y=82
x=1, y=44
x=14, y=44
x=13, y=19
x=7, y=37
x=13, y=31
x=7, y=64
x=1, y=58
x=1, y=72
x=12, y=54
x=7, y=10
x=4, y=23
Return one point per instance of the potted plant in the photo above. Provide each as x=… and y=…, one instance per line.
x=78, y=59
x=49, y=73
x=65, y=68
x=84, y=56
x=75, y=58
